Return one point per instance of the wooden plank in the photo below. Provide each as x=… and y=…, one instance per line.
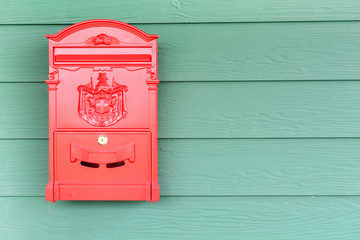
x=24, y=167
x=192, y=52
x=183, y=218
x=208, y=167
x=259, y=167
x=215, y=109
x=23, y=110
x=177, y=11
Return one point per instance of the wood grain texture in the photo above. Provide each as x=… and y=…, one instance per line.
x=23, y=110
x=177, y=11
x=259, y=109
x=209, y=167
x=24, y=167
x=192, y=52
x=183, y=218
x=215, y=109
x=259, y=126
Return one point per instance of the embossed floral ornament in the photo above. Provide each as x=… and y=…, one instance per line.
x=102, y=39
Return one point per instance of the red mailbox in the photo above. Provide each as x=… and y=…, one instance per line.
x=102, y=113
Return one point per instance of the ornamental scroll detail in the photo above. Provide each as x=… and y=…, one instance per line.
x=102, y=104
x=102, y=39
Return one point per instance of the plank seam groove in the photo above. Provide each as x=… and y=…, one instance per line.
x=213, y=196
x=222, y=81
x=204, y=22
x=233, y=138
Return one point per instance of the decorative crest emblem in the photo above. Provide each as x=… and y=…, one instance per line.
x=102, y=105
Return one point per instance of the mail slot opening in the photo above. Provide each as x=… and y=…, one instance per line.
x=103, y=58
x=112, y=55
x=115, y=164
x=88, y=164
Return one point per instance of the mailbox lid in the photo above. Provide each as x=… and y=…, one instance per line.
x=81, y=158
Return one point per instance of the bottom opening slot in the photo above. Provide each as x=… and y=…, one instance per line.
x=115, y=164
x=88, y=164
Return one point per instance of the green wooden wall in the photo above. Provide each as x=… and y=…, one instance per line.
x=259, y=121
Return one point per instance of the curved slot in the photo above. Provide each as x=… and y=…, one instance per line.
x=88, y=164
x=115, y=164
x=97, y=156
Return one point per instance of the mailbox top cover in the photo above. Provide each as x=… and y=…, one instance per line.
x=102, y=42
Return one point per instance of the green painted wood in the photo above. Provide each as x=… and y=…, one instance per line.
x=223, y=87
x=192, y=52
x=24, y=167
x=259, y=167
x=183, y=218
x=215, y=109
x=175, y=11
x=259, y=109
x=23, y=110
x=209, y=167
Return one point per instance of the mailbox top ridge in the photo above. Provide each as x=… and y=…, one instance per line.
x=101, y=23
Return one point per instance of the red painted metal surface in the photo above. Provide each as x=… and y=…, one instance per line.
x=103, y=131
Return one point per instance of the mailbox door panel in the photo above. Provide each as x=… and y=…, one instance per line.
x=102, y=158
x=118, y=100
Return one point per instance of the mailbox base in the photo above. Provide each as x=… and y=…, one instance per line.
x=102, y=192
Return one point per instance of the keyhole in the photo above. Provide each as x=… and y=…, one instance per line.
x=102, y=140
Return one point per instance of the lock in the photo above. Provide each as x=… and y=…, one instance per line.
x=102, y=140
